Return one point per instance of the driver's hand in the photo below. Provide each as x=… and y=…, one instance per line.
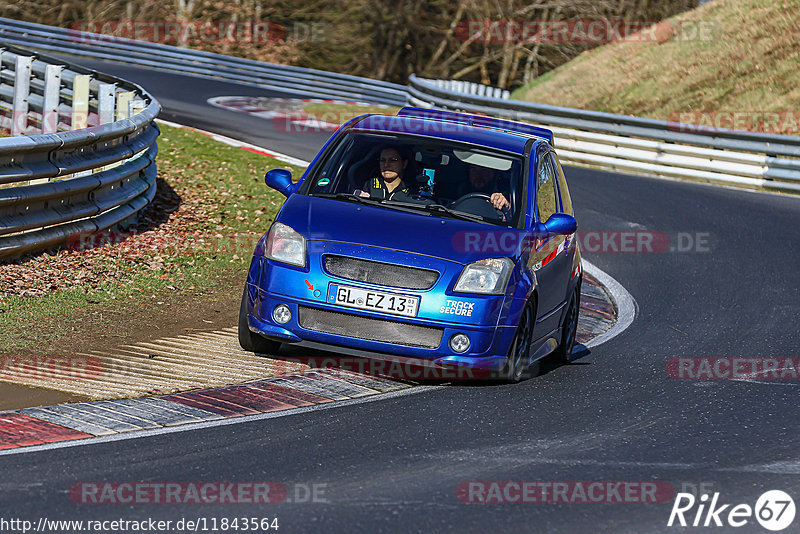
x=499, y=201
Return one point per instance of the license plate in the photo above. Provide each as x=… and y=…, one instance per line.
x=364, y=299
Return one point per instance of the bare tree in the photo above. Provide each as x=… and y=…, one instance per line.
x=382, y=39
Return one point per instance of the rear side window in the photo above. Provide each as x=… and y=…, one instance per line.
x=546, y=199
x=566, y=201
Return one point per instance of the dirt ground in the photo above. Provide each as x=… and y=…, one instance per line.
x=181, y=312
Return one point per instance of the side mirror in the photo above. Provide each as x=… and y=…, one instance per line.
x=281, y=181
x=561, y=223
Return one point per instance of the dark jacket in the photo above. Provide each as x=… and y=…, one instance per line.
x=376, y=188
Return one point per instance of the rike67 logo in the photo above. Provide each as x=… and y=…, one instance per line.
x=774, y=510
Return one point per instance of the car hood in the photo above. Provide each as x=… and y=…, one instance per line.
x=327, y=219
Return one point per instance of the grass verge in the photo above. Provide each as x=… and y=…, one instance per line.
x=189, y=246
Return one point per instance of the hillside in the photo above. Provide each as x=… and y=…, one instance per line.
x=740, y=57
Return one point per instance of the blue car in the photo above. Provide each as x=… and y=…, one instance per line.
x=438, y=236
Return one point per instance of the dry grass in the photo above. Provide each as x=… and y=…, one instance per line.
x=747, y=62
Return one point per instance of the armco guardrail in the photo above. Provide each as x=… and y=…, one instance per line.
x=81, y=157
x=589, y=138
x=202, y=64
x=637, y=145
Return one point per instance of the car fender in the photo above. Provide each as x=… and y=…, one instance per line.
x=522, y=291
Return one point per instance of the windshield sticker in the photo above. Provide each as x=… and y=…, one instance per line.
x=323, y=182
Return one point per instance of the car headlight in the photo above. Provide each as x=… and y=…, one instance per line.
x=488, y=276
x=286, y=245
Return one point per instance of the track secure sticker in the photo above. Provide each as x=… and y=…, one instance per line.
x=458, y=307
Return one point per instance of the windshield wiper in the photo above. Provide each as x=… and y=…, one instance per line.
x=347, y=196
x=434, y=208
x=438, y=208
x=368, y=200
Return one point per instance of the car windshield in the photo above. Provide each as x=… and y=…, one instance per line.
x=439, y=177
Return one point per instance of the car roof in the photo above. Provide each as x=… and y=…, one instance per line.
x=478, y=120
x=473, y=129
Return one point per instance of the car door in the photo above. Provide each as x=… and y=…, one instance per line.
x=547, y=259
x=570, y=242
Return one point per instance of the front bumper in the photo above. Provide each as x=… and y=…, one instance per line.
x=488, y=344
x=483, y=318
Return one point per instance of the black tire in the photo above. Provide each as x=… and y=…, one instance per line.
x=518, y=354
x=569, y=330
x=250, y=341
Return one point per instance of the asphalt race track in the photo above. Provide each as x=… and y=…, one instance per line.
x=615, y=415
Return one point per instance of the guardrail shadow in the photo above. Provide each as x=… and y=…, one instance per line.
x=165, y=203
x=155, y=214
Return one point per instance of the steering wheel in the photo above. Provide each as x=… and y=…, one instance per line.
x=479, y=204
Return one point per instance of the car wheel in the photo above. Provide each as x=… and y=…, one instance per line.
x=569, y=330
x=251, y=341
x=517, y=361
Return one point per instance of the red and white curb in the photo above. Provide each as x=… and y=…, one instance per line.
x=240, y=144
x=624, y=304
x=266, y=103
x=67, y=422
x=288, y=113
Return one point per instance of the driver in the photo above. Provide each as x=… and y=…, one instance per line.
x=484, y=180
x=390, y=184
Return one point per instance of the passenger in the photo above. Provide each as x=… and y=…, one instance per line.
x=484, y=180
x=390, y=185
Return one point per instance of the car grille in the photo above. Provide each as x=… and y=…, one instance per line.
x=344, y=324
x=382, y=274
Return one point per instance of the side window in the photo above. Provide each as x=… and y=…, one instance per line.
x=566, y=201
x=546, y=203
